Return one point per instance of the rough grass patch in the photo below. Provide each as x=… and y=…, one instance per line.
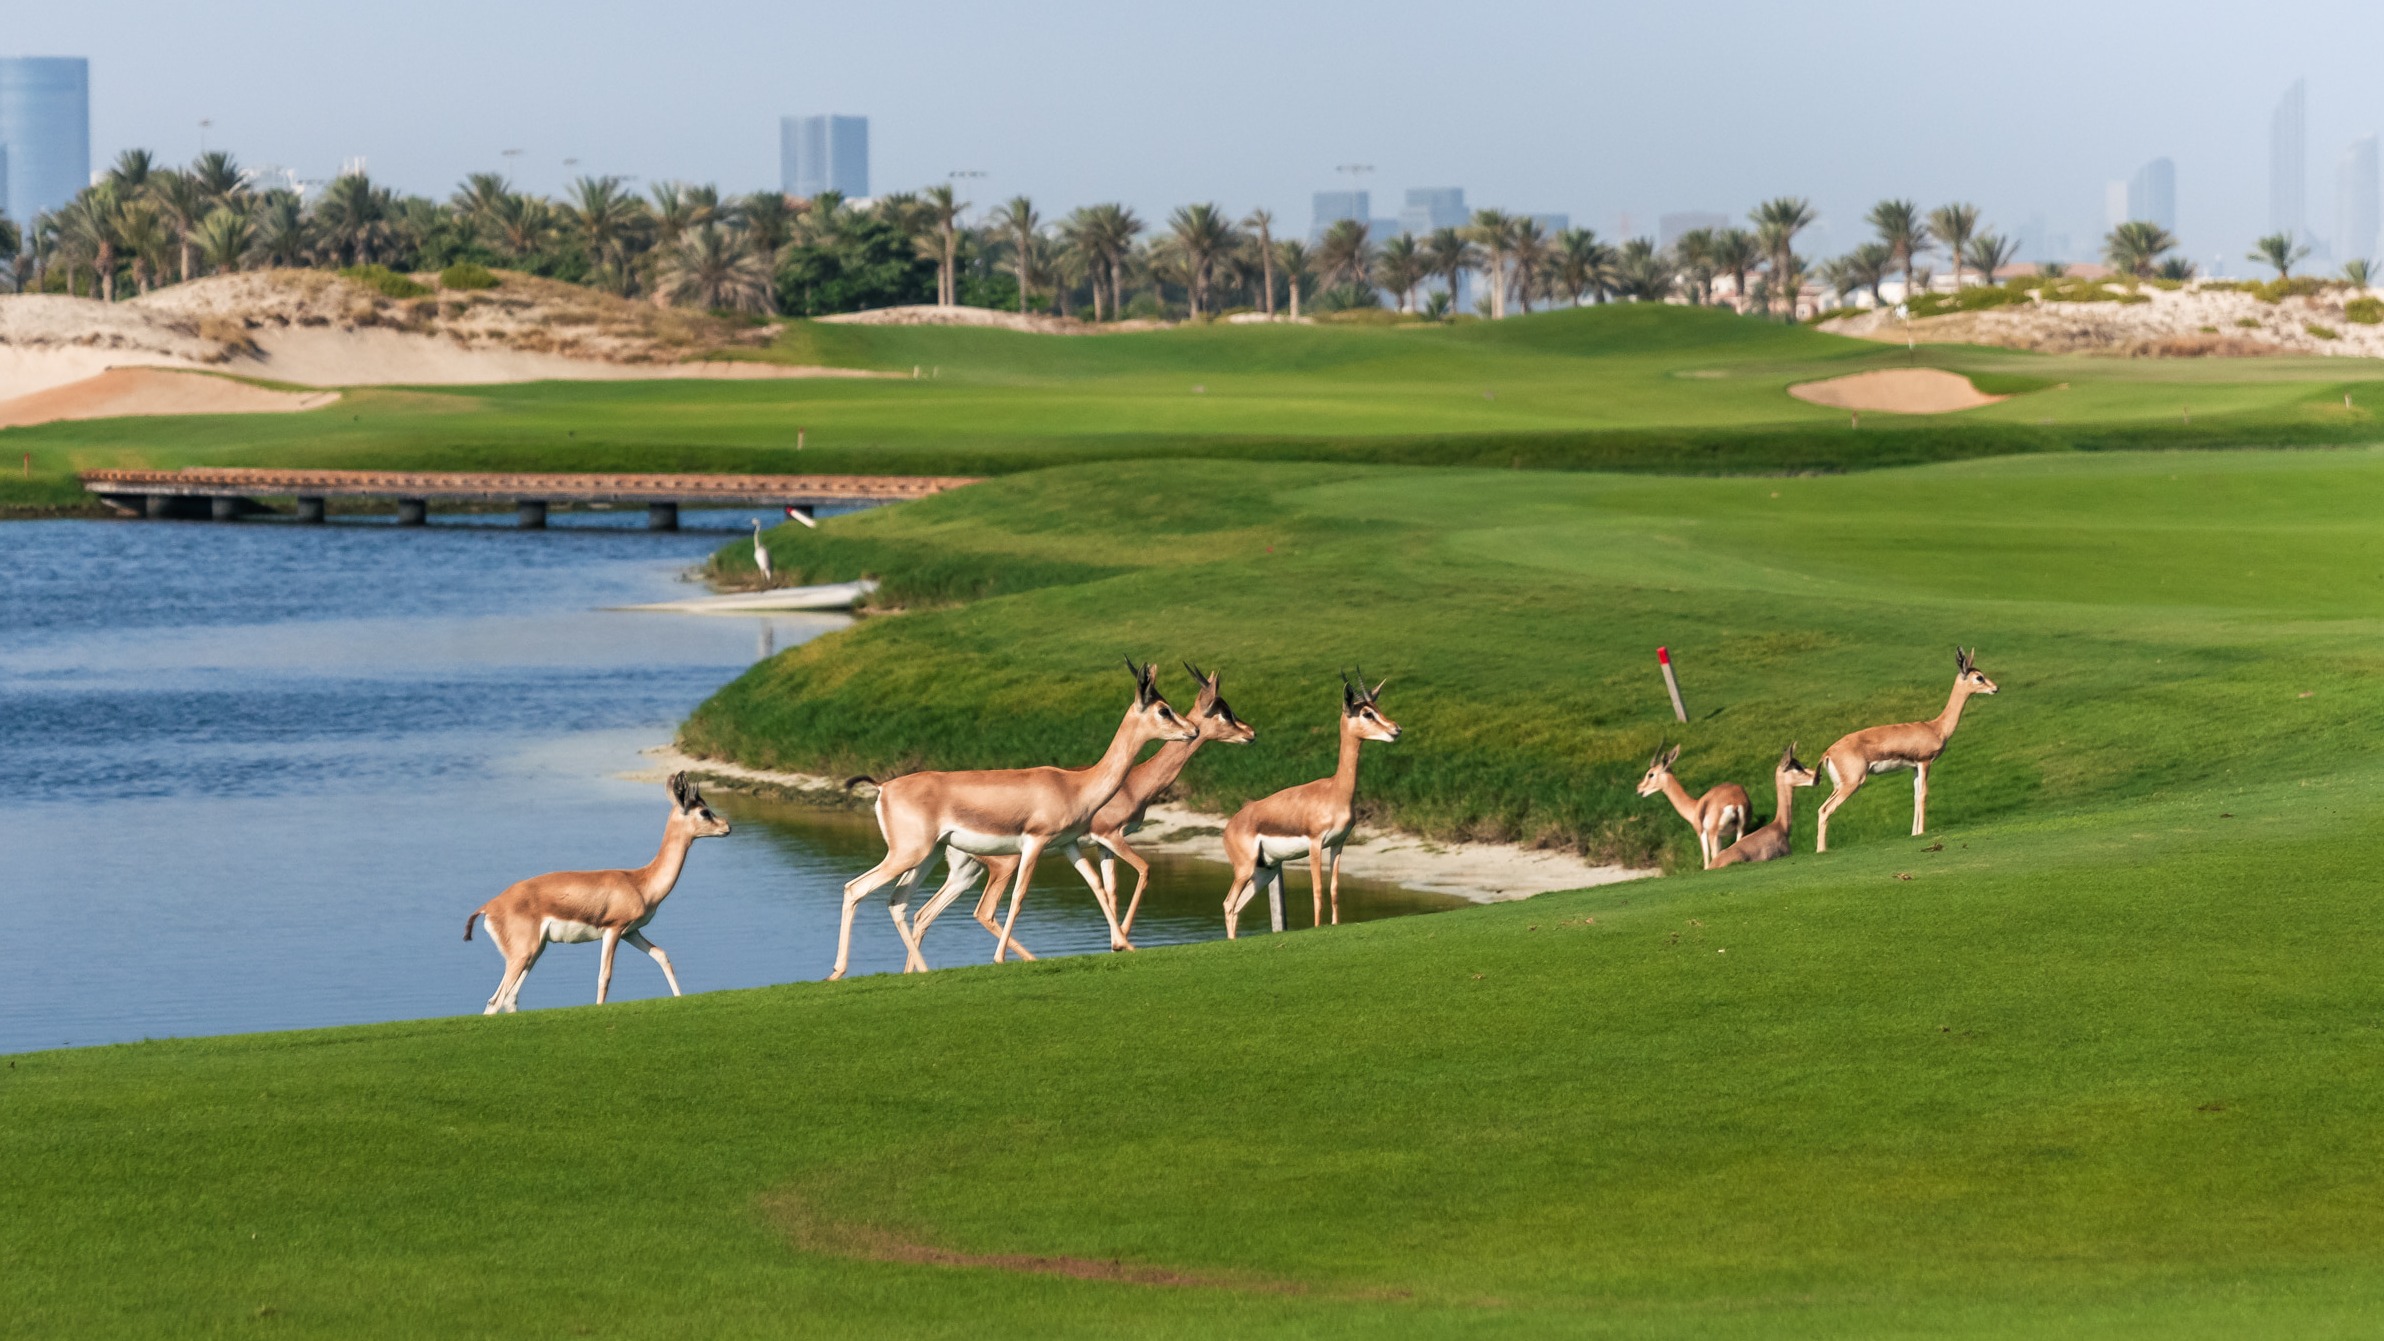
x=384, y=281
x=467, y=276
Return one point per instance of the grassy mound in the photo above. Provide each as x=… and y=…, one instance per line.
x=2099, y=1056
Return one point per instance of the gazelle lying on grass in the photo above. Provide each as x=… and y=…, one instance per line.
x=611, y=906
x=1310, y=820
x=1770, y=843
x=1724, y=806
x=1120, y=818
x=1000, y=812
x=1913, y=745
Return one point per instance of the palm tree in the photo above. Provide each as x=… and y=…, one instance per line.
x=1261, y=226
x=131, y=171
x=2177, y=268
x=225, y=238
x=679, y=208
x=1990, y=252
x=1692, y=251
x=1898, y=224
x=1203, y=234
x=1583, y=265
x=182, y=201
x=2134, y=247
x=284, y=234
x=219, y=176
x=1838, y=275
x=2279, y=250
x=1400, y=267
x=521, y=225
x=1953, y=225
x=1869, y=264
x=1297, y=263
x=88, y=224
x=768, y=221
x=1530, y=248
x=2358, y=273
x=607, y=220
x=940, y=210
x=145, y=238
x=1735, y=251
x=1345, y=256
x=1117, y=227
x=12, y=242
x=1494, y=232
x=1019, y=220
x=713, y=269
x=479, y=199
x=1778, y=221
x=354, y=217
x=1643, y=273
x=1450, y=254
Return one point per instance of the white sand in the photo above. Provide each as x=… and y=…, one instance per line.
x=144, y=391
x=1897, y=391
x=2190, y=322
x=1036, y=323
x=1480, y=872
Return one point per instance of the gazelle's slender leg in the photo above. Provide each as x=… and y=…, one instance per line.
x=859, y=888
x=529, y=961
x=1842, y=787
x=961, y=872
x=1101, y=895
x=1920, y=798
x=604, y=964
x=989, y=903
x=515, y=967
x=898, y=906
x=1316, y=877
x=654, y=952
x=1336, y=886
x=1142, y=879
x=1238, y=895
x=1029, y=849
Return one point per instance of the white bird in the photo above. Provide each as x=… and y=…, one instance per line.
x=761, y=556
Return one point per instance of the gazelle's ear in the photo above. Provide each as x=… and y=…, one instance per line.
x=1349, y=694
x=678, y=789
x=1961, y=659
x=1656, y=760
x=1788, y=756
x=1672, y=756
x=1376, y=691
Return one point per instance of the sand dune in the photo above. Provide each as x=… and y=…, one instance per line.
x=143, y=391
x=1897, y=391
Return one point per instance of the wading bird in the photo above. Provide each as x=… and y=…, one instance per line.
x=761, y=556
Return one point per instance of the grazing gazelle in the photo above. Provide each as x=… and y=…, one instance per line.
x=1770, y=842
x=1724, y=806
x=1117, y=820
x=1913, y=745
x=1311, y=820
x=611, y=906
x=999, y=812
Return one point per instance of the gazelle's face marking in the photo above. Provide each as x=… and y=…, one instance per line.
x=1977, y=682
x=1370, y=724
x=1654, y=781
x=1167, y=724
x=1218, y=723
x=1798, y=775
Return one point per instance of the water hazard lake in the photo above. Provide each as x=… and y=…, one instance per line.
x=261, y=772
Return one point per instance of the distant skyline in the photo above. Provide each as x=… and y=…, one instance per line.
x=1072, y=102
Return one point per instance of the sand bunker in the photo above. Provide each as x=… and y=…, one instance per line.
x=1897, y=391
x=130, y=391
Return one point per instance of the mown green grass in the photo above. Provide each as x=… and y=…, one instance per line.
x=1622, y=387
x=2106, y=1064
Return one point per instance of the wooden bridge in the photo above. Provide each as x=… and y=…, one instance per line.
x=226, y=494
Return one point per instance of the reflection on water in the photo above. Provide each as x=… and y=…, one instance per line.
x=262, y=772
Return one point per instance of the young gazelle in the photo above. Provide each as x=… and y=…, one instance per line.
x=1770, y=842
x=1002, y=811
x=611, y=906
x=1311, y=820
x=1724, y=806
x=1913, y=745
x=1117, y=820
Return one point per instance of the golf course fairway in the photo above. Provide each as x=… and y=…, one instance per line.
x=2101, y=1055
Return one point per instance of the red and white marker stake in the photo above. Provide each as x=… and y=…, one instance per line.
x=1671, y=684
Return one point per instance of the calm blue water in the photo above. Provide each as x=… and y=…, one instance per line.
x=261, y=773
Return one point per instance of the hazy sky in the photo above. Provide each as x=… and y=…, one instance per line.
x=2026, y=107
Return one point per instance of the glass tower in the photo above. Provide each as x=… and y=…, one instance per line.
x=824, y=153
x=45, y=132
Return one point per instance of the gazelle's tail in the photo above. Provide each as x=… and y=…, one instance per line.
x=468, y=923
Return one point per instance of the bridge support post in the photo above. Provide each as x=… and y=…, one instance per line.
x=662, y=516
x=225, y=509
x=413, y=512
x=310, y=511
x=157, y=507
x=530, y=514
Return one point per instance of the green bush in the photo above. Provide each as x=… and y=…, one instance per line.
x=468, y=275
x=1976, y=298
x=2366, y=311
x=384, y=281
x=2322, y=332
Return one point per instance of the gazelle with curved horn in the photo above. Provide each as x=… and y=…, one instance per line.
x=610, y=906
x=1724, y=806
x=1311, y=820
x=1770, y=842
x=1017, y=811
x=1117, y=820
x=1913, y=745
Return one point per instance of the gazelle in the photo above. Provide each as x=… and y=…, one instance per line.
x=1310, y=820
x=611, y=906
x=1724, y=806
x=1117, y=820
x=1913, y=745
x=1001, y=812
x=1770, y=842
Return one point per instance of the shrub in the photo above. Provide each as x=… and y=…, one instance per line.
x=2322, y=332
x=1976, y=298
x=2248, y=323
x=384, y=281
x=468, y=275
x=2366, y=311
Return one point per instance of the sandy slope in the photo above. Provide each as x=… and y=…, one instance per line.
x=139, y=391
x=1897, y=391
x=2188, y=322
x=1036, y=323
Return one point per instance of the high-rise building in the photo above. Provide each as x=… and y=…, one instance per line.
x=45, y=132
x=824, y=153
x=1331, y=207
x=2114, y=203
x=1551, y=224
x=1431, y=207
x=1669, y=227
x=2152, y=194
x=2288, y=163
x=2355, y=201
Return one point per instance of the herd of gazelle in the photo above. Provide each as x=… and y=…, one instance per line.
x=996, y=823
x=1850, y=763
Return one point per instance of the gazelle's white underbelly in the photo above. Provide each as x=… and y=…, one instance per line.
x=1274, y=850
x=1004, y=844
x=568, y=932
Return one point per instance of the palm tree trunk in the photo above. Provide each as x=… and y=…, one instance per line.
x=1295, y=297
x=1266, y=264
